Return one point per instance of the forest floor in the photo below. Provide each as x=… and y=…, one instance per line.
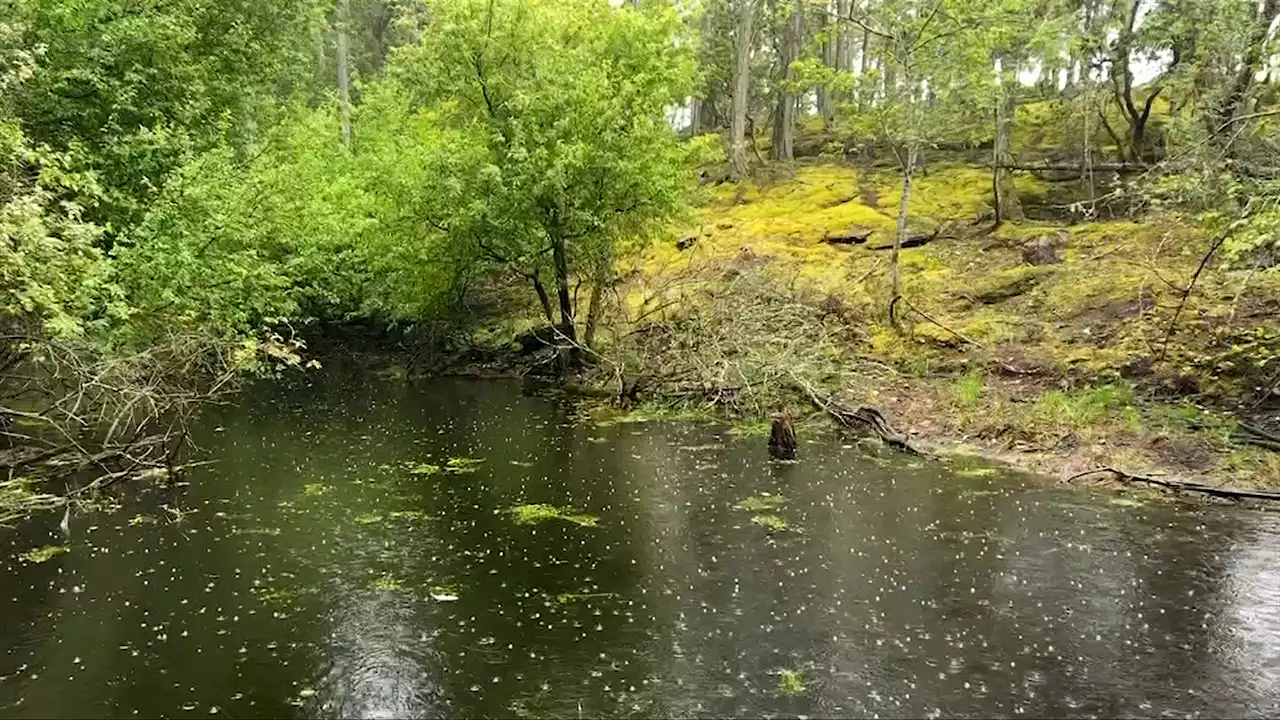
x=1058, y=367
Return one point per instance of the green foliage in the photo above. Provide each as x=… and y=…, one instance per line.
x=556, y=114
x=130, y=90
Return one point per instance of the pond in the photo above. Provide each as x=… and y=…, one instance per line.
x=353, y=551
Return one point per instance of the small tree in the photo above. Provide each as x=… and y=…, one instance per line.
x=557, y=109
x=935, y=78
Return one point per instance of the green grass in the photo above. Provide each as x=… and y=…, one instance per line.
x=1085, y=408
x=966, y=390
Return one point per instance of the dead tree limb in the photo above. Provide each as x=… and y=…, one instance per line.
x=1204, y=262
x=1180, y=485
x=863, y=419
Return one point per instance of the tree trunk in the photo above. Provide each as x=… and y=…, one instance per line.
x=559, y=257
x=1253, y=58
x=543, y=299
x=843, y=41
x=741, y=87
x=784, y=116
x=344, y=77
x=594, y=309
x=1006, y=195
x=695, y=115
x=895, y=278
x=862, y=70
x=827, y=49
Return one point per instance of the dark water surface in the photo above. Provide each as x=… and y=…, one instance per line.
x=311, y=572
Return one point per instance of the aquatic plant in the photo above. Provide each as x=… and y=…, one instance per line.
x=772, y=523
x=566, y=598
x=445, y=592
x=315, y=489
x=462, y=464
x=790, y=682
x=762, y=503
x=388, y=582
x=17, y=499
x=43, y=553
x=541, y=512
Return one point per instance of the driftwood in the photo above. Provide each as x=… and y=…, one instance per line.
x=863, y=419
x=1180, y=485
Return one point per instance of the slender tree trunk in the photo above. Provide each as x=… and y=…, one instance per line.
x=741, y=87
x=344, y=78
x=826, y=48
x=843, y=40
x=895, y=277
x=695, y=116
x=543, y=298
x=594, y=308
x=1006, y=195
x=784, y=115
x=1253, y=58
x=863, y=60
x=559, y=258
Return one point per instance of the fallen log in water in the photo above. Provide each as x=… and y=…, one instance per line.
x=1180, y=485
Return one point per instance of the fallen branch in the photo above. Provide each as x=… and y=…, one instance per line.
x=1180, y=485
x=1204, y=262
x=861, y=419
x=921, y=313
x=1254, y=435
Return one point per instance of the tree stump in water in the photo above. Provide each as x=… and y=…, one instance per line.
x=782, y=437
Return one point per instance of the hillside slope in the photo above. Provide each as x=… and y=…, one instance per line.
x=1059, y=366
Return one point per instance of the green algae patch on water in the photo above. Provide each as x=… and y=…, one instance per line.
x=541, y=512
x=446, y=592
x=462, y=464
x=791, y=682
x=772, y=523
x=44, y=553
x=388, y=582
x=566, y=598
x=315, y=489
x=762, y=503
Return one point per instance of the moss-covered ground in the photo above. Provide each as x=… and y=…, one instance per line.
x=1059, y=367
